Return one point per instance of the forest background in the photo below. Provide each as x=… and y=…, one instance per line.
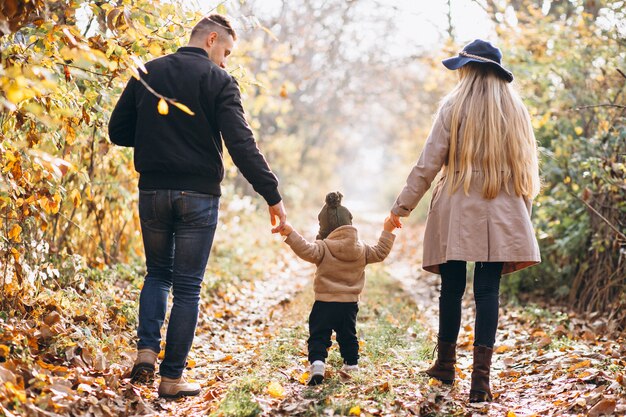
x=334, y=103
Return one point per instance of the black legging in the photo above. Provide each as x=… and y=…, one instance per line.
x=486, y=295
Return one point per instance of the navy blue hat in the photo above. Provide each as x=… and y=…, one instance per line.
x=482, y=52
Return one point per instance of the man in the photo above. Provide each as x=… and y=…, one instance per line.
x=179, y=159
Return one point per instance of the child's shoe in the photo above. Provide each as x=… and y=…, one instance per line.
x=317, y=370
x=349, y=368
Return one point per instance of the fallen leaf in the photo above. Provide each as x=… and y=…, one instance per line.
x=604, y=407
x=304, y=378
x=503, y=348
x=582, y=364
x=355, y=411
x=276, y=390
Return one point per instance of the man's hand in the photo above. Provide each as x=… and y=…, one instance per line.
x=286, y=230
x=395, y=220
x=278, y=210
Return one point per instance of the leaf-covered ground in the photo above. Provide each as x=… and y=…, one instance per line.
x=71, y=355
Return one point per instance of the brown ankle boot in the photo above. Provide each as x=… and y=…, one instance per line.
x=480, y=390
x=443, y=368
x=143, y=369
x=177, y=387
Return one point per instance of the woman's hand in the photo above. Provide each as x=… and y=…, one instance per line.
x=395, y=220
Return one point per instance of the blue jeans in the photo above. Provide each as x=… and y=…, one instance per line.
x=178, y=229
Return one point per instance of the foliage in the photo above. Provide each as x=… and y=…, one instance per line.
x=570, y=70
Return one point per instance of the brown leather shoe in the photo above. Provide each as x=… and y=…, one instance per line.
x=443, y=368
x=143, y=369
x=177, y=387
x=480, y=390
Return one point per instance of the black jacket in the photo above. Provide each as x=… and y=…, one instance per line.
x=184, y=152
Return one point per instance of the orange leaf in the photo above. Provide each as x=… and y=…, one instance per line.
x=503, y=348
x=579, y=365
x=304, y=378
x=14, y=233
x=276, y=390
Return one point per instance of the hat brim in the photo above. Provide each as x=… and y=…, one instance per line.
x=457, y=62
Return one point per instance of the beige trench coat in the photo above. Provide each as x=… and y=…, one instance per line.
x=467, y=228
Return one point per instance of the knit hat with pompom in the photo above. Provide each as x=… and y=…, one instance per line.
x=332, y=215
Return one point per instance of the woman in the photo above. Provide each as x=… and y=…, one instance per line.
x=480, y=208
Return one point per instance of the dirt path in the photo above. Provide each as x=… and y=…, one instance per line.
x=251, y=352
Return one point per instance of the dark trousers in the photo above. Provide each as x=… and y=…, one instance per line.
x=177, y=228
x=486, y=296
x=340, y=317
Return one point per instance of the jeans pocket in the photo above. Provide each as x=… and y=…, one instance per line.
x=199, y=209
x=147, y=206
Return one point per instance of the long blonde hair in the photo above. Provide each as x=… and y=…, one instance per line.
x=497, y=136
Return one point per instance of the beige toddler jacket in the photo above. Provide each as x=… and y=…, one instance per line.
x=340, y=260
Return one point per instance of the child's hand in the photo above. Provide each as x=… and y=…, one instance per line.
x=388, y=225
x=286, y=230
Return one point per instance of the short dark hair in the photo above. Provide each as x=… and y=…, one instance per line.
x=213, y=23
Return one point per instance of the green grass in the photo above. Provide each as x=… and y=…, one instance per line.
x=389, y=352
x=239, y=403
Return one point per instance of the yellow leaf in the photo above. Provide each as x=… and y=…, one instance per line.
x=191, y=363
x=75, y=195
x=221, y=9
x=304, y=378
x=275, y=389
x=355, y=411
x=4, y=351
x=14, y=233
x=434, y=382
x=161, y=355
x=183, y=108
x=163, y=107
x=155, y=49
x=511, y=414
x=578, y=130
x=19, y=393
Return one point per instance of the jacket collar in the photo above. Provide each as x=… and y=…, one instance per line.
x=193, y=50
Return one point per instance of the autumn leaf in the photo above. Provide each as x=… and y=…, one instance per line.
x=180, y=106
x=304, y=378
x=605, y=407
x=276, y=390
x=355, y=411
x=14, y=233
x=503, y=348
x=163, y=107
x=582, y=364
x=75, y=196
x=4, y=351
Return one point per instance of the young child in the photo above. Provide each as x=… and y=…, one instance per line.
x=340, y=258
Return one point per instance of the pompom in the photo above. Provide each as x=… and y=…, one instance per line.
x=333, y=200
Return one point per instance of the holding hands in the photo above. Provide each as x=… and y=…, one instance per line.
x=286, y=229
x=394, y=219
x=389, y=224
x=278, y=210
